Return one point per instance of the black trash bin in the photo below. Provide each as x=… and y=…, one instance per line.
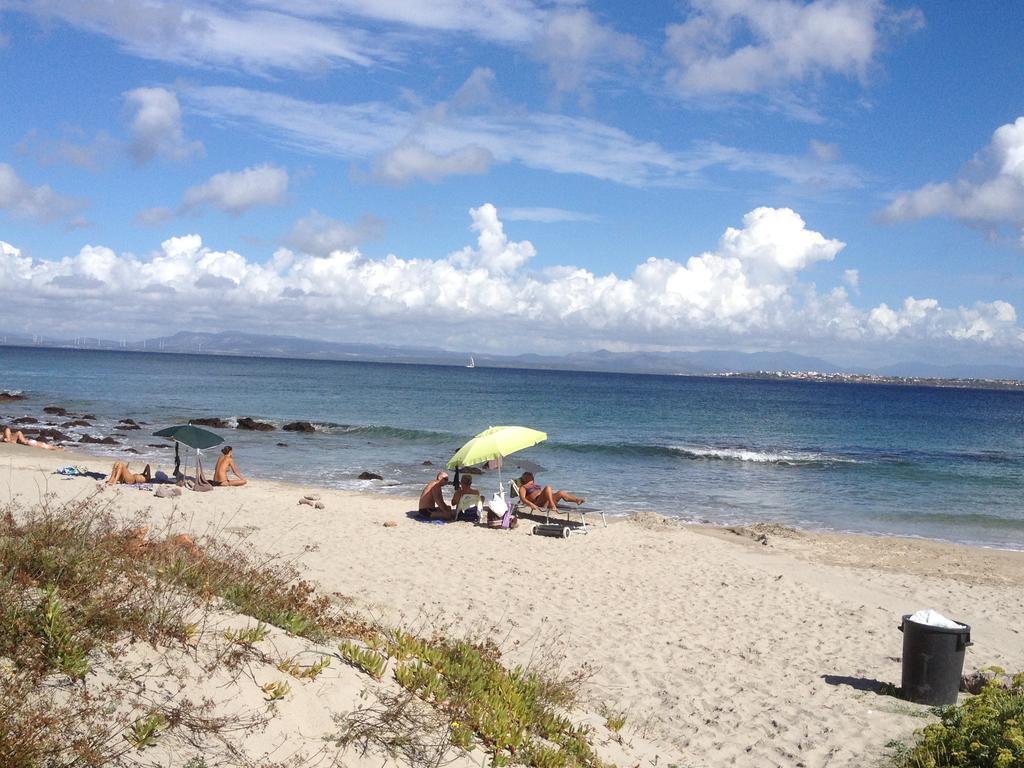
x=933, y=660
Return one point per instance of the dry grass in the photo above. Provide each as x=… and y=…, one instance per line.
x=78, y=587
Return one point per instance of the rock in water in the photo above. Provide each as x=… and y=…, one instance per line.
x=76, y=423
x=98, y=440
x=369, y=476
x=56, y=410
x=299, y=426
x=6, y=396
x=213, y=421
x=25, y=420
x=128, y=424
x=50, y=435
x=257, y=426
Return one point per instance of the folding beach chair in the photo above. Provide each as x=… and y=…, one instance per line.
x=519, y=507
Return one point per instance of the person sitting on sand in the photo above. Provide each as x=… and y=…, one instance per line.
x=18, y=438
x=120, y=473
x=225, y=464
x=465, y=489
x=534, y=496
x=432, y=503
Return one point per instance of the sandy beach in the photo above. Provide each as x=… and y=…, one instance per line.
x=745, y=648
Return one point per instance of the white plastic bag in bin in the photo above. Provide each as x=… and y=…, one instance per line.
x=933, y=618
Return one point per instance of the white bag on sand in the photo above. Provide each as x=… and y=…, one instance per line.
x=498, y=505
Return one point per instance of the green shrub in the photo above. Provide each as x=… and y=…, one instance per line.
x=515, y=713
x=986, y=731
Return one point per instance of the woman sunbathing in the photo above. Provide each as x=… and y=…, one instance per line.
x=120, y=473
x=18, y=438
x=534, y=496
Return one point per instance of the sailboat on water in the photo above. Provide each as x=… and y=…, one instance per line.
x=471, y=363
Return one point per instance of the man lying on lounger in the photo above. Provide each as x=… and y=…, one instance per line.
x=432, y=503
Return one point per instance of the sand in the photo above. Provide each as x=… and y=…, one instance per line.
x=721, y=650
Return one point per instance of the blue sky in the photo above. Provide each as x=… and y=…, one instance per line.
x=842, y=178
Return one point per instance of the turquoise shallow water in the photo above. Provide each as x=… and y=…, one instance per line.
x=938, y=463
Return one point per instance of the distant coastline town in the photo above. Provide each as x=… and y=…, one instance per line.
x=867, y=378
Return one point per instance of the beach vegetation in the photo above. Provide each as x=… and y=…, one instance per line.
x=614, y=721
x=519, y=716
x=276, y=690
x=291, y=666
x=248, y=636
x=145, y=731
x=80, y=588
x=985, y=731
x=371, y=661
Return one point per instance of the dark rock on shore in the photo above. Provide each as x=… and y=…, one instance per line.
x=10, y=397
x=25, y=420
x=281, y=445
x=130, y=450
x=158, y=445
x=299, y=426
x=257, y=426
x=428, y=463
x=369, y=476
x=212, y=421
x=88, y=416
x=48, y=435
x=76, y=423
x=98, y=440
x=56, y=410
x=128, y=424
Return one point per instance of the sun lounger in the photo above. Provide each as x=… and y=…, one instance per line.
x=519, y=507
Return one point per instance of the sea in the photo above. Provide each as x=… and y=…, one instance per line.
x=937, y=463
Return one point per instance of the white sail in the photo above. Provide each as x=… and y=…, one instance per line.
x=471, y=363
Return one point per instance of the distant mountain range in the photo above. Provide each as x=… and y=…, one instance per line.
x=706, y=362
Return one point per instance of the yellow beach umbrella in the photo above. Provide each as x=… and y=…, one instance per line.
x=495, y=443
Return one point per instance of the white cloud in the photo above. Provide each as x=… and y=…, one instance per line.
x=23, y=201
x=235, y=36
x=410, y=160
x=824, y=151
x=991, y=199
x=235, y=192
x=321, y=235
x=71, y=148
x=152, y=217
x=753, y=46
x=502, y=20
x=576, y=48
x=156, y=126
x=748, y=291
x=539, y=140
x=494, y=254
x=545, y=215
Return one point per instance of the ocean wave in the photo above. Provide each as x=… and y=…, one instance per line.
x=744, y=454
x=380, y=430
x=762, y=456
